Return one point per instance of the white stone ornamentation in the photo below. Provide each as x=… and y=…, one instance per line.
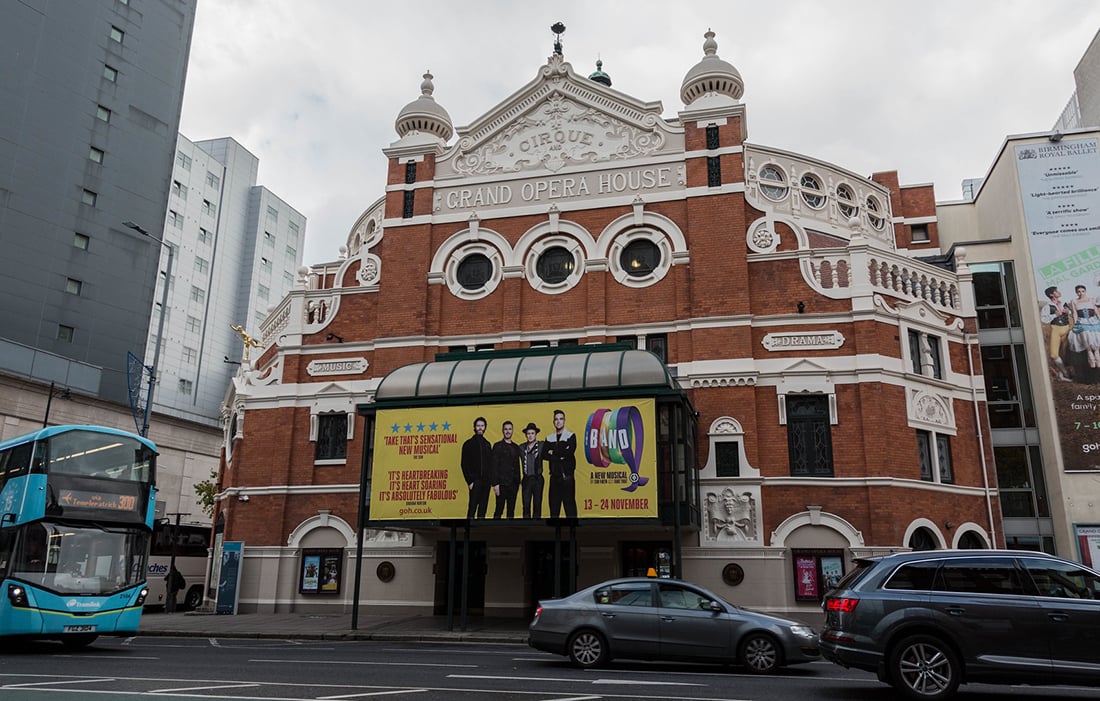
x=556, y=133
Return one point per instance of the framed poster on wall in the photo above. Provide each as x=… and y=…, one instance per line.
x=321, y=572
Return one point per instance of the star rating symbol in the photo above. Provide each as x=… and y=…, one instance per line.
x=408, y=428
x=395, y=428
x=420, y=427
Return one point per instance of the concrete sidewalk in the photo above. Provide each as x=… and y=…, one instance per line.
x=323, y=626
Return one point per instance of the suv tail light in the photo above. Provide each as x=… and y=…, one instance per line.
x=538, y=612
x=841, y=604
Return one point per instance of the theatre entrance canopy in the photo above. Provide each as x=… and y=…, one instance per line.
x=634, y=431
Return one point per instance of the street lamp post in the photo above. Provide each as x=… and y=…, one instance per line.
x=160, y=323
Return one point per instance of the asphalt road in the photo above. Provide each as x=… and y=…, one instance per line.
x=223, y=668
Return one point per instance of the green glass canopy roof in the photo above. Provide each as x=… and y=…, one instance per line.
x=467, y=378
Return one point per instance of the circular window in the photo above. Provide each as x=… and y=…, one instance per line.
x=846, y=201
x=474, y=271
x=385, y=571
x=874, y=214
x=812, y=191
x=555, y=265
x=640, y=258
x=772, y=182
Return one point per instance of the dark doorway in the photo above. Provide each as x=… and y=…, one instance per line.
x=475, y=583
x=638, y=557
x=541, y=571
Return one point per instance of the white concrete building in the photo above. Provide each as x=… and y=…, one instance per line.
x=238, y=247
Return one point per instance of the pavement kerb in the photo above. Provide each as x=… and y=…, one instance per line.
x=379, y=636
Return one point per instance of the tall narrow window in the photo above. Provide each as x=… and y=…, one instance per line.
x=712, y=137
x=332, y=437
x=407, y=206
x=809, y=435
x=714, y=171
x=657, y=344
x=410, y=172
x=925, y=354
x=934, y=455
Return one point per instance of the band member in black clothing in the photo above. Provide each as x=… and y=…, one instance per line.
x=560, y=451
x=507, y=468
x=477, y=469
x=531, y=456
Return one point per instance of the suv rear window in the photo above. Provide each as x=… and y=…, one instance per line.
x=852, y=576
x=917, y=576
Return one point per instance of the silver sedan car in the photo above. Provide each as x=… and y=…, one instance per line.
x=666, y=619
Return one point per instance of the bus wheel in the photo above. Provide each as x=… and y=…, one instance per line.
x=193, y=600
x=75, y=642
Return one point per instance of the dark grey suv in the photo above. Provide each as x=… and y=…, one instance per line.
x=927, y=621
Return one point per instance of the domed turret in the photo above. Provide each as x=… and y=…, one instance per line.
x=711, y=76
x=599, y=76
x=424, y=114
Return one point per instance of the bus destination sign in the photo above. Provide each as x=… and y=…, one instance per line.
x=81, y=499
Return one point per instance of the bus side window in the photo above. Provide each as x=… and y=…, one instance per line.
x=14, y=461
x=7, y=540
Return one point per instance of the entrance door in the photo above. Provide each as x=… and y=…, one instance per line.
x=475, y=584
x=541, y=571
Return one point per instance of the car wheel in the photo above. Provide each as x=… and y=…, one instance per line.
x=588, y=649
x=75, y=642
x=193, y=600
x=924, y=668
x=760, y=654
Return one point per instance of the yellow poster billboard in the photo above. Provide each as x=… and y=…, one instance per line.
x=578, y=459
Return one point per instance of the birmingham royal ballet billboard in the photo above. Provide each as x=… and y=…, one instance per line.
x=1060, y=189
x=577, y=459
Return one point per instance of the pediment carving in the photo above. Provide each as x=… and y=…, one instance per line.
x=559, y=132
x=557, y=120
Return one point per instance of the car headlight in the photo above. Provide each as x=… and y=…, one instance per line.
x=803, y=631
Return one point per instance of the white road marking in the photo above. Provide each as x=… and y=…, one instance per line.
x=636, y=682
x=568, y=679
x=51, y=683
x=370, y=693
x=577, y=698
x=200, y=688
x=375, y=664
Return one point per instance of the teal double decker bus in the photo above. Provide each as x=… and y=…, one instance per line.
x=76, y=515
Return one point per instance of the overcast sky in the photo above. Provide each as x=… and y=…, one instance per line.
x=929, y=88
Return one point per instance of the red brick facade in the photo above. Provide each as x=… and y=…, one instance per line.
x=765, y=298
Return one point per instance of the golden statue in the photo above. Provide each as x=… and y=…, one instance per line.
x=249, y=342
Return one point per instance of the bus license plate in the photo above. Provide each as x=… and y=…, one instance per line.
x=79, y=629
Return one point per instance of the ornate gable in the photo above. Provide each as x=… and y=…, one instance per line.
x=559, y=120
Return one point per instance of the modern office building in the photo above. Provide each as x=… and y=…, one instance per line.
x=1083, y=108
x=237, y=250
x=760, y=379
x=91, y=96
x=1031, y=233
